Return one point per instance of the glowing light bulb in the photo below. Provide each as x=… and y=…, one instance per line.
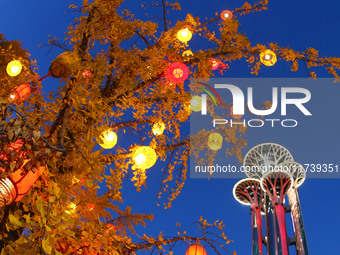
x=225, y=15
x=140, y=159
x=14, y=69
x=268, y=57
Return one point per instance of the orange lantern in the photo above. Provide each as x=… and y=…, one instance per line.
x=184, y=35
x=107, y=139
x=64, y=65
x=225, y=15
x=215, y=141
x=14, y=68
x=17, y=184
x=177, y=72
x=268, y=58
x=196, y=249
x=214, y=64
x=20, y=93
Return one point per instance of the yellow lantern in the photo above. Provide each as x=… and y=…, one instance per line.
x=184, y=35
x=196, y=103
x=268, y=58
x=158, y=128
x=215, y=141
x=144, y=157
x=14, y=68
x=187, y=54
x=107, y=139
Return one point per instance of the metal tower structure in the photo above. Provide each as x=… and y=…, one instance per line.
x=273, y=166
x=299, y=175
x=276, y=184
x=248, y=192
x=263, y=158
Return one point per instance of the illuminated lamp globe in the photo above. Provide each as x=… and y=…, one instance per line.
x=177, y=72
x=144, y=157
x=158, y=128
x=196, y=249
x=225, y=15
x=215, y=141
x=20, y=93
x=184, y=35
x=107, y=139
x=268, y=58
x=14, y=68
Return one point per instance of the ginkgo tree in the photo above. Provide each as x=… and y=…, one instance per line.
x=110, y=89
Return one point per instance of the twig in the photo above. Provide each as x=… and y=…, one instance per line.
x=164, y=16
x=144, y=39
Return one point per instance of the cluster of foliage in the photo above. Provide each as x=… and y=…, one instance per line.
x=127, y=92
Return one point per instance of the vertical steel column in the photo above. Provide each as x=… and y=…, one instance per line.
x=277, y=184
x=248, y=192
x=270, y=229
x=299, y=229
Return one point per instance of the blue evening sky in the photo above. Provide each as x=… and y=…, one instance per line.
x=297, y=24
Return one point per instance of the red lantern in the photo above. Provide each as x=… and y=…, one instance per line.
x=177, y=72
x=17, y=184
x=214, y=64
x=225, y=15
x=196, y=249
x=20, y=93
